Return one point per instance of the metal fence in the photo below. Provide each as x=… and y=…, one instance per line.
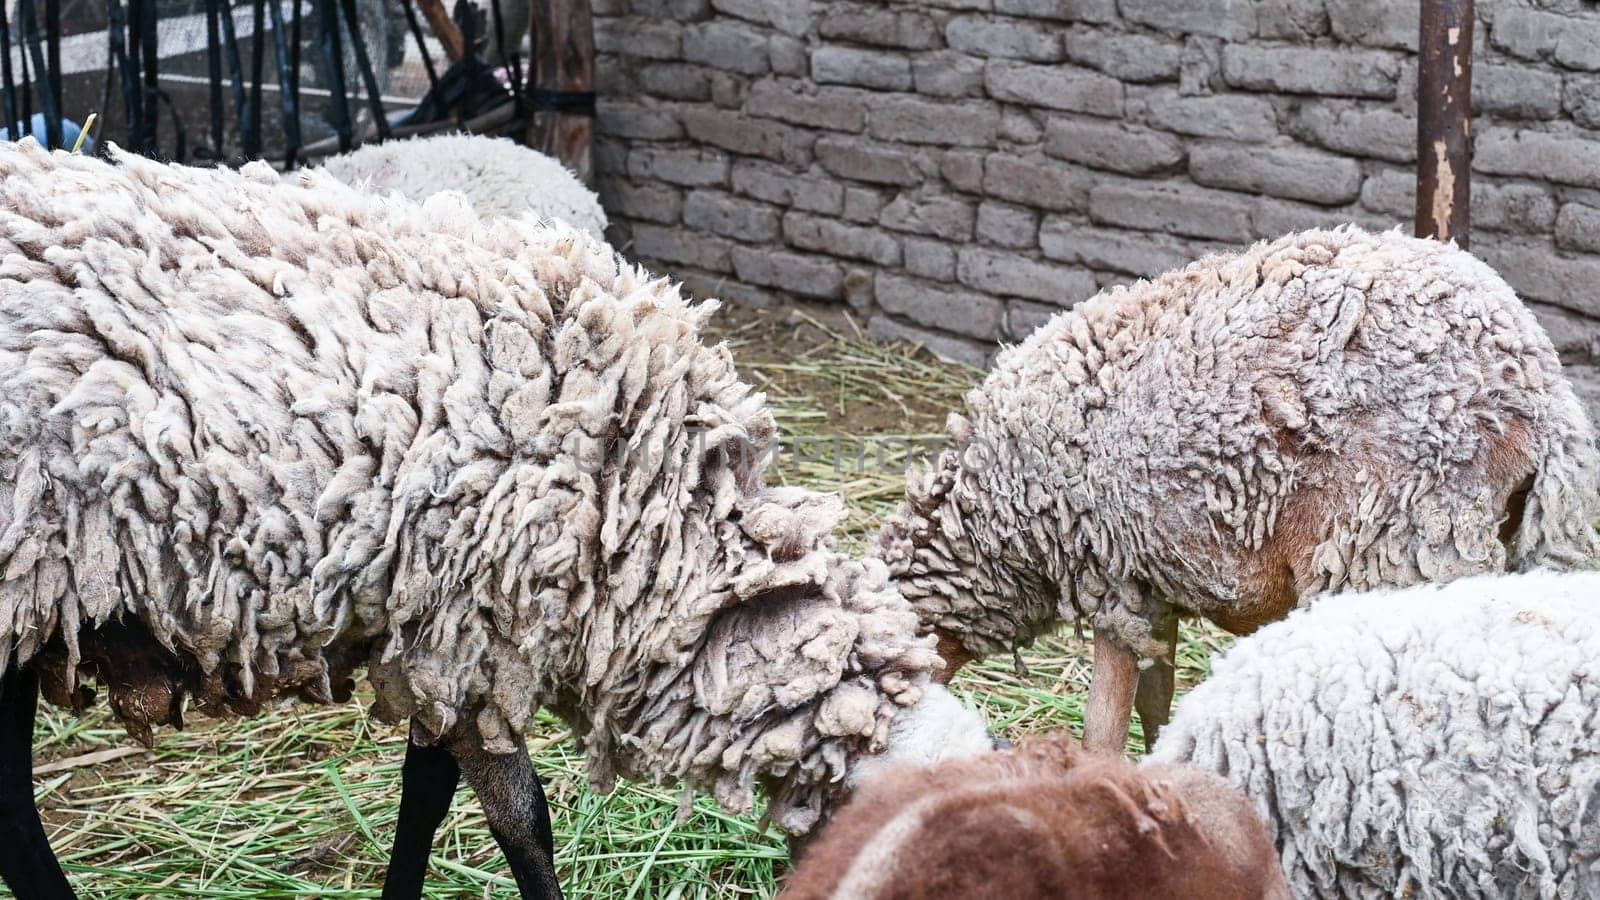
x=233, y=80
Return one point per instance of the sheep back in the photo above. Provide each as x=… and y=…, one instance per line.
x=499, y=177
x=1427, y=742
x=1331, y=410
x=1044, y=820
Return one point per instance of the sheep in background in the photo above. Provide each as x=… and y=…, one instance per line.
x=1435, y=741
x=1042, y=821
x=1332, y=410
x=256, y=436
x=500, y=178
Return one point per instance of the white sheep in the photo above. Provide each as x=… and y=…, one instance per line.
x=1331, y=410
x=1433, y=741
x=500, y=178
x=255, y=436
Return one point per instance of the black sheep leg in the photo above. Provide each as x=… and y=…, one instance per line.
x=427, y=784
x=27, y=863
x=1153, y=699
x=514, y=803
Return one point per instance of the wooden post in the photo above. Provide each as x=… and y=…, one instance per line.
x=562, y=74
x=1444, y=121
x=443, y=28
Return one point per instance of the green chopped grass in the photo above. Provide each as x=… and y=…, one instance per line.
x=302, y=802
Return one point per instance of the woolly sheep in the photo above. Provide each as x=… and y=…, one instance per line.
x=500, y=178
x=1042, y=821
x=1331, y=410
x=1424, y=742
x=254, y=436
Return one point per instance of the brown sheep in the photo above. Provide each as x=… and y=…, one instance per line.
x=1331, y=411
x=1045, y=820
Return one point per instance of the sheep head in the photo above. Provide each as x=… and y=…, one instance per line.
x=938, y=727
x=978, y=574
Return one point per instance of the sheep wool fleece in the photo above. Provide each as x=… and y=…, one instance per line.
x=1431, y=742
x=254, y=436
x=1333, y=410
x=499, y=177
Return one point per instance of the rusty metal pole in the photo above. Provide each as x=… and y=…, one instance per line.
x=561, y=83
x=1444, y=121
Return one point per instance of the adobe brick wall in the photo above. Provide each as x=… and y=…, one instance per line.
x=959, y=170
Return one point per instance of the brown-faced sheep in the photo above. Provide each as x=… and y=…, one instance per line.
x=254, y=437
x=1045, y=821
x=1332, y=410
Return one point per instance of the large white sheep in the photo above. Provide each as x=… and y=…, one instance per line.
x=499, y=177
x=254, y=436
x=1435, y=741
x=1331, y=410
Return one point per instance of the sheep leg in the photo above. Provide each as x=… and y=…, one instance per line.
x=427, y=784
x=1156, y=684
x=1111, y=691
x=27, y=863
x=514, y=803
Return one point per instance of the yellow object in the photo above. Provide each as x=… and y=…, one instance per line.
x=83, y=133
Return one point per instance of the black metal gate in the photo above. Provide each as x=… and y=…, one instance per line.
x=232, y=80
